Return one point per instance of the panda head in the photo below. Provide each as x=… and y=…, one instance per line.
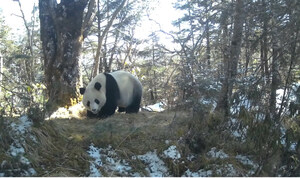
x=94, y=96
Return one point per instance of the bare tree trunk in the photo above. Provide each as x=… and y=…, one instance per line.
x=223, y=102
x=293, y=57
x=29, y=61
x=1, y=70
x=62, y=37
x=235, y=49
x=232, y=62
x=207, y=35
x=207, y=44
x=113, y=50
x=274, y=76
x=264, y=45
x=102, y=36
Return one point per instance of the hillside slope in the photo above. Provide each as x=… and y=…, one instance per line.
x=143, y=144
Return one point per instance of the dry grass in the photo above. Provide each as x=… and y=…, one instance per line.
x=63, y=143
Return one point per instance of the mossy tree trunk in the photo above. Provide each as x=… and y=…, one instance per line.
x=63, y=28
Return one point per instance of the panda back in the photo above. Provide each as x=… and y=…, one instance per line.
x=129, y=87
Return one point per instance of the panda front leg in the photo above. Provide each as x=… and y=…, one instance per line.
x=107, y=110
x=91, y=115
x=121, y=109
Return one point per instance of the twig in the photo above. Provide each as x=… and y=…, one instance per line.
x=126, y=137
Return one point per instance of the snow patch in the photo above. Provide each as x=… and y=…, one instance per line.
x=228, y=170
x=172, y=153
x=246, y=161
x=94, y=152
x=200, y=173
x=23, y=125
x=293, y=146
x=16, y=149
x=191, y=157
x=158, y=107
x=213, y=153
x=108, y=160
x=291, y=96
x=20, y=129
x=156, y=167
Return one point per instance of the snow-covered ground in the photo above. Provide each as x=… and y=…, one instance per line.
x=154, y=165
x=248, y=162
x=172, y=153
x=19, y=130
x=214, y=153
x=158, y=107
x=228, y=170
x=108, y=160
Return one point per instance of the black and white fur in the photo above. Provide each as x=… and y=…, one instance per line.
x=107, y=91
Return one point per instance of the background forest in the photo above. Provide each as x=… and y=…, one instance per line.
x=233, y=64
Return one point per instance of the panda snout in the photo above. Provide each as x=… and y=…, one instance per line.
x=94, y=110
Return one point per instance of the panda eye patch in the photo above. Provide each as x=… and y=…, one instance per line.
x=88, y=104
x=97, y=101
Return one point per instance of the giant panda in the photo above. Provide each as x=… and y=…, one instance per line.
x=107, y=91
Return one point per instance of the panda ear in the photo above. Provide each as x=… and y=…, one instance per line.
x=97, y=86
x=82, y=90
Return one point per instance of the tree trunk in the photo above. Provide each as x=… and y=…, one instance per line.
x=62, y=37
x=104, y=33
x=223, y=98
x=232, y=63
x=274, y=76
x=207, y=44
x=207, y=35
x=1, y=70
x=264, y=45
x=29, y=61
x=294, y=37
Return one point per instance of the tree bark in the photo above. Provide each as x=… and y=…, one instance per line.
x=231, y=63
x=207, y=30
x=62, y=37
x=264, y=44
x=275, y=81
x=1, y=70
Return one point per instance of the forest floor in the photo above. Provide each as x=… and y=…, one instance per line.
x=144, y=144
